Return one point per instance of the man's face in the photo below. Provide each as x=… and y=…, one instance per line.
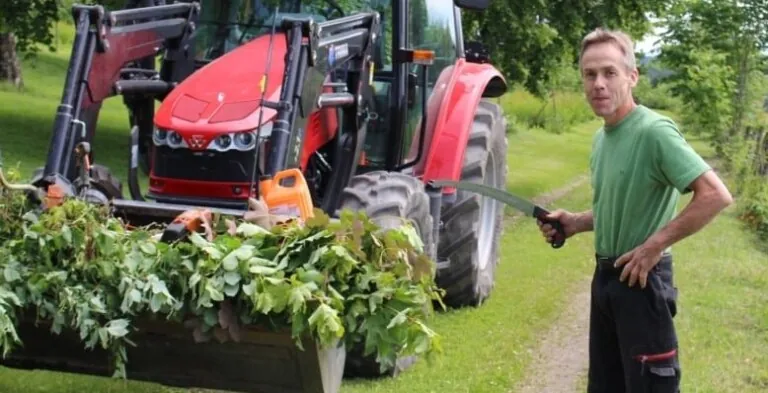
x=607, y=81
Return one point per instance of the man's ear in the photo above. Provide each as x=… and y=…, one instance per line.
x=633, y=77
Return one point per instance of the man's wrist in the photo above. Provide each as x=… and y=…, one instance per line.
x=658, y=241
x=584, y=221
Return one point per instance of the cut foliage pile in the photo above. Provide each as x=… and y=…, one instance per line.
x=77, y=267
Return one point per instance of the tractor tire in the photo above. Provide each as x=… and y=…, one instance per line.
x=471, y=227
x=387, y=198
x=101, y=179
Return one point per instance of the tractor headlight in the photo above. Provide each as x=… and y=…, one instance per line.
x=223, y=141
x=174, y=139
x=245, y=140
x=159, y=136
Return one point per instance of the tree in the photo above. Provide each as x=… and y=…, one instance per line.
x=529, y=39
x=26, y=25
x=23, y=24
x=714, y=48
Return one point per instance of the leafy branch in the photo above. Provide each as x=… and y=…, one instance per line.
x=76, y=267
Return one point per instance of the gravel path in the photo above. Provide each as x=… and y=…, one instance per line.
x=560, y=359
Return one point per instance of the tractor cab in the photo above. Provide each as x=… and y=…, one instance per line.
x=227, y=24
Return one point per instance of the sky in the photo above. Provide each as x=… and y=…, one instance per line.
x=648, y=43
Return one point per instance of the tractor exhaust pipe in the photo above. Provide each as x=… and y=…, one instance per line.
x=133, y=167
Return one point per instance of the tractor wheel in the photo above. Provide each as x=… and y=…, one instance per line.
x=387, y=198
x=101, y=179
x=471, y=226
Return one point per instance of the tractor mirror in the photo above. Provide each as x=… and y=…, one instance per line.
x=476, y=52
x=478, y=5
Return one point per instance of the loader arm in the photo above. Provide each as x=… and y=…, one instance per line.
x=342, y=46
x=104, y=43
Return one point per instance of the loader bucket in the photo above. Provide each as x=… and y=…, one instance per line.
x=165, y=353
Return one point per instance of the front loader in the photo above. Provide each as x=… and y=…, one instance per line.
x=362, y=104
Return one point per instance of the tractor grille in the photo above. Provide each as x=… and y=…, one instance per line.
x=231, y=166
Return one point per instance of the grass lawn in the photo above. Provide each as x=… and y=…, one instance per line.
x=539, y=160
x=722, y=276
x=26, y=118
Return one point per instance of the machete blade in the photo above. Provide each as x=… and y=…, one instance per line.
x=527, y=207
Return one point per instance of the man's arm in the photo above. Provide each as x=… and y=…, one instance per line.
x=585, y=221
x=710, y=197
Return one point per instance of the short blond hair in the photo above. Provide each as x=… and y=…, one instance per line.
x=618, y=37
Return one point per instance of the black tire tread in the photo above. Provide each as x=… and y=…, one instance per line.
x=104, y=181
x=461, y=278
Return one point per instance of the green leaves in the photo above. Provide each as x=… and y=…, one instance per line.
x=117, y=328
x=528, y=40
x=326, y=281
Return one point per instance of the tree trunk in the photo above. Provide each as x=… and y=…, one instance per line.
x=10, y=67
x=739, y=101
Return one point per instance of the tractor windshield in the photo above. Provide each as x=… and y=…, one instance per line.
x=227, y=24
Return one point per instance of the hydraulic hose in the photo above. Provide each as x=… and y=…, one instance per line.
x=4, y=183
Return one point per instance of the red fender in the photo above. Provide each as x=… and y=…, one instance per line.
x=450, y=111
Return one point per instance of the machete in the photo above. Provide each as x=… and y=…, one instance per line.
x=525, y=206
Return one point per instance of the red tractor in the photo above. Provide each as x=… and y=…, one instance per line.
x=369, y=99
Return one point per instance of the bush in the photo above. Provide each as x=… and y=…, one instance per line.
x=745, y=159
x=754, y=210
x=656, y=97
x=561, y=111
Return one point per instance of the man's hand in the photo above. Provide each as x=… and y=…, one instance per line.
x=572, y=223
x=637, y=263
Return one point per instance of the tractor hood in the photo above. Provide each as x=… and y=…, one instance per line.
x=224, y=95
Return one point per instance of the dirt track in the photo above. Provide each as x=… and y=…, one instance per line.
x=560, y=359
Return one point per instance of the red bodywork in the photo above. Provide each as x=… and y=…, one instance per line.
x=450, y=112
x=224, y=97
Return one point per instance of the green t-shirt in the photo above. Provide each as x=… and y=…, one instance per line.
x=639, y=167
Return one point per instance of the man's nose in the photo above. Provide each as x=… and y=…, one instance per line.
x=599, y=82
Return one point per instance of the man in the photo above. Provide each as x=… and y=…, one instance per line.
x=640, y=165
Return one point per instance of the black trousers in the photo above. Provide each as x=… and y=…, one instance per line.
x=632, y=338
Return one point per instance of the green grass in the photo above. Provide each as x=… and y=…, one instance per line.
x=722, y=276
x=557, y=113
x=26, y=117
x=539, y=160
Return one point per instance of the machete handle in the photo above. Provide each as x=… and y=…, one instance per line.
x=559, y=239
